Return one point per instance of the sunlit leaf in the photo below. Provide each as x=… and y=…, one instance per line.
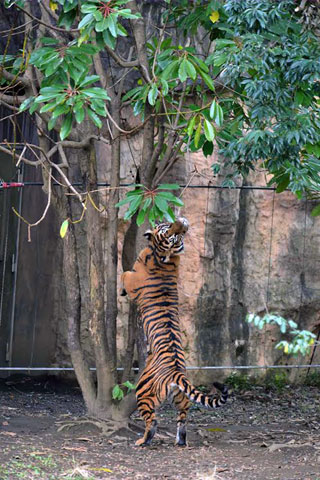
x=214, y=17
x=64, y=228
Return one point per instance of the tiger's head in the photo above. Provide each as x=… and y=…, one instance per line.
x=167, y=238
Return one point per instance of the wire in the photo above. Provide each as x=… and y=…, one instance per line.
x=105, y=184
x=220, y=367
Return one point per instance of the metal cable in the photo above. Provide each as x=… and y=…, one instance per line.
x=220, y=367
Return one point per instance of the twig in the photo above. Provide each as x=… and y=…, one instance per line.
x=30, y=225
x=123, y=63
x=51, y=27
x=28, y=162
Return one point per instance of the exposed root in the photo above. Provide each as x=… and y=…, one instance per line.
x=107, y=427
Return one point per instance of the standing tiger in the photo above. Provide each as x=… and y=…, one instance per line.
x=152, y=284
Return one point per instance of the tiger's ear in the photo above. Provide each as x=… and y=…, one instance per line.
x=148, y=234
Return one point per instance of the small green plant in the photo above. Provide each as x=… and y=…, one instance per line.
x=153, y=204
x=302, y=340
x=117, y=391
x=276, y=380
x=240, y=381
x=313, y=379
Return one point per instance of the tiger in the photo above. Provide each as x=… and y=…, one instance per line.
x=152, y=285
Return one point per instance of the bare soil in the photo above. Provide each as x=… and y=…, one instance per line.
x=259, y=435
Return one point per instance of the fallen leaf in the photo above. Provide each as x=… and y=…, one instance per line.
x=216, y=429
x=76, y=449
x=100, y=469
x=291, y=444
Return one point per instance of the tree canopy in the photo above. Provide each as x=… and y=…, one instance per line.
x=239, y=76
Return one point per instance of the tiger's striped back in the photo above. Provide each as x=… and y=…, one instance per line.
x=152, y=284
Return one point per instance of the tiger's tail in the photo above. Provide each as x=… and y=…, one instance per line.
x=200, y=398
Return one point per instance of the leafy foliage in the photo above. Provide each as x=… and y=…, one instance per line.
x=268, y=64
x=151, y=204
x=302, y=340
x=117, y=391
x=255, y=95
x=67, y=89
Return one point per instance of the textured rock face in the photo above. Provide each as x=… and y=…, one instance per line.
x=246, y=251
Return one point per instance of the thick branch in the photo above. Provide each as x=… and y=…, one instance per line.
x=12, y=100
x=138, y=27
x=120, y=61
x=28, y=162
x=14, y=78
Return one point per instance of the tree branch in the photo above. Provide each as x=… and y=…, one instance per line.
x=16, y=79
x=12, y=100
x=120, y=61
x=138, y=27
x=34, y=163
x=50, y=27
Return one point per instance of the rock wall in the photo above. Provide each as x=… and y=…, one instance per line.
x=246, y=251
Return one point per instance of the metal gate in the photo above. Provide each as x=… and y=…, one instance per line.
x=9, y=235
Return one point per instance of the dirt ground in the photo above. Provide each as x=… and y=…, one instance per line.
x=259, y=435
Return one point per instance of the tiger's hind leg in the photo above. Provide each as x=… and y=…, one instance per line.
x=146, y=407
x=182, y=404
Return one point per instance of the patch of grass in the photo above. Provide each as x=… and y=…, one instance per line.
x=33, y=466
x=240, y=381
x=273, y=380
x=313, y=380
x=276, y=380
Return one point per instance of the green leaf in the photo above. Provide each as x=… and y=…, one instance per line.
x=141, y=217
x=182, y=72
x=123, y=202
x=109, y=39
x=130, y=386
x=66, y=126
x=88, y=8
x=51, y=123
x=117, y=393
x=48, y=107
x=133, y=206
x=170, y=71
x=79, y=113
x=64, y=228
x=197, y=135
x=208, y=130
x=146, y=204
x=192, y=73
x=283, y=185
x=94, y=117
x=219, y=116
x=59, y=110
x=216, y=113
x=168, y=186
x=85, y=21
x=88, y=80
x=170, y=215
x=96, y=92
x=191, y=126
x=26, y=104
x=315, y=211
x=177, y=201
x=161, y=203
x=153, y=94
x=207, y=79
x=207, y=148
